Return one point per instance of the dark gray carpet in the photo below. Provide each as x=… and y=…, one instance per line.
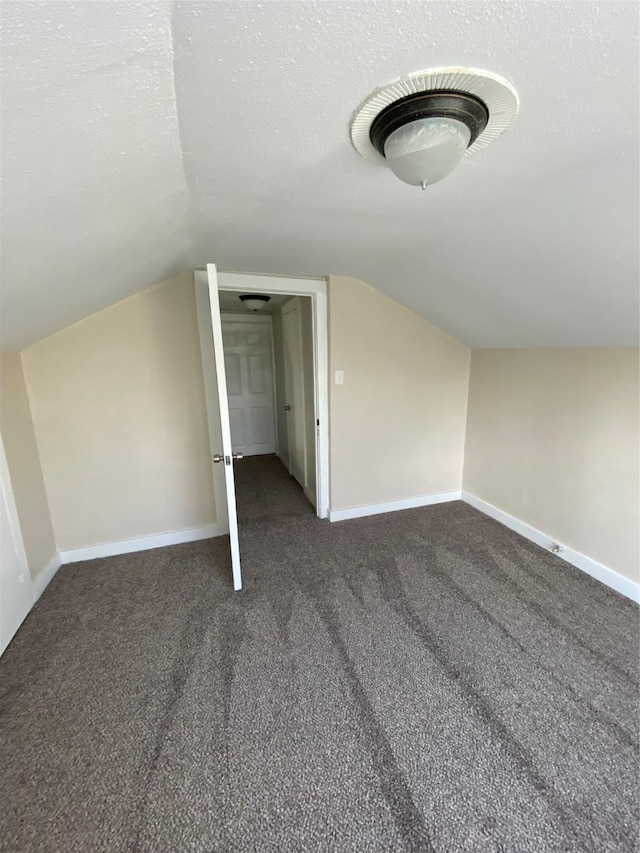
x=266, y=494
x=424, y=680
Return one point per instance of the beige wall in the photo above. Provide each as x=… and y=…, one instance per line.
x=118, y=408
x=552, y=439
x=398, y=422
x=119, y=412
x=23, y=460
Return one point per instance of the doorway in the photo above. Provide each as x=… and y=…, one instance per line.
x=265, y=376
x=268, y=357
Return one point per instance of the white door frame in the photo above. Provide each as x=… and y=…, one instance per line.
x=316, y=288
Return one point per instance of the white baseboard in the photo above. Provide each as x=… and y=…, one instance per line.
x=282, y=459
x=129, y=546
x=392, y=506
x=604, y=574
x=44, y=578
x=310, y=496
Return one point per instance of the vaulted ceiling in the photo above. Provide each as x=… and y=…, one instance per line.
x=143, y=138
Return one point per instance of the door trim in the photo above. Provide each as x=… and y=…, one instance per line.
x=316, y=288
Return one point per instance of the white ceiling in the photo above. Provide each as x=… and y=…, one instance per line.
x=140, y=139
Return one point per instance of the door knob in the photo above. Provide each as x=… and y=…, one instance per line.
x=287, y=408
x=219, y=458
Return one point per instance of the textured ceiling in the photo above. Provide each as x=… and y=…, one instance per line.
x=143, y=138
x=95, y=205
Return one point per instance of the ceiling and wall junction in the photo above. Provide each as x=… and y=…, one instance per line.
x=141, y=139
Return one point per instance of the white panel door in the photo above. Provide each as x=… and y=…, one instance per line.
x=222, y=456
x=248, y=358
x=294, y=389
x=16, y=593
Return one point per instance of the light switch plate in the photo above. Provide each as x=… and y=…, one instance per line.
x=339, y=380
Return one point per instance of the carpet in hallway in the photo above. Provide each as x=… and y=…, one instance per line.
x=266, y=493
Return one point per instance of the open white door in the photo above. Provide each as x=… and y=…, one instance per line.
x=215, y=383
x=16, y=593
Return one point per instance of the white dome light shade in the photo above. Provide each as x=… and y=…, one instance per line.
x=425, y=151
x=254, y=301
x=422, y=125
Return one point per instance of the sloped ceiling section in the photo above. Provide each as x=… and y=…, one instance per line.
x=95, y=205
x=142, y=138
x=532, y=242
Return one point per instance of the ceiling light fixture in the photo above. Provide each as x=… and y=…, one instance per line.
x=254, y=301
x=422, y=125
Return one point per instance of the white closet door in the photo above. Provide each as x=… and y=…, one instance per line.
x=248, y=358
x=295, y=390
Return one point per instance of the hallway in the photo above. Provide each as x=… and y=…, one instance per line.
x=266, y=493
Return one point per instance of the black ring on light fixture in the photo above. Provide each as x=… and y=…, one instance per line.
x=260, y=296
x=441, y=103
